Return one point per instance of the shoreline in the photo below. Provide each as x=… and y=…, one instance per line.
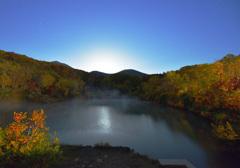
x=106, y=156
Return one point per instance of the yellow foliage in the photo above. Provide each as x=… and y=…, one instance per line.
x=232, y=100
x=47, y=80
x=225, y=132
x=5, y=80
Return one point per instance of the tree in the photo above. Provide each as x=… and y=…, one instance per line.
x=151, y=88
x=67, y=87
x=27, y=141
x=47, y=81
x=5, y=80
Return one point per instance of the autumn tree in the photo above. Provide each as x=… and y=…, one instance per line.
x=224, y=131
x=47, y=81
x=5, y=80
x=27, y=142
x=151, y=88
x=67, y=87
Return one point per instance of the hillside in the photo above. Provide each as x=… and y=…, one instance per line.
x=132, y=72
x=100, y=73
x=57, y=62
x=126, y=71
x=23, y=77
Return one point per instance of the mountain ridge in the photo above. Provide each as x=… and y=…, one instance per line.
x=125, y=71
x=57, y=62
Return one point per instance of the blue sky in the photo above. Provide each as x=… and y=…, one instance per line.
x=152, y=36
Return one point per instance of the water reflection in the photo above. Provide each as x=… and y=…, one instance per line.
x=104, y=121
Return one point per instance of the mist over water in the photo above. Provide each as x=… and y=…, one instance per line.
x=158, y=131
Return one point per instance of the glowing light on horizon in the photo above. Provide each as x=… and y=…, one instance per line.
x=105, y=60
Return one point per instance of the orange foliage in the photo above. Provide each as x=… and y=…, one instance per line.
x=27, y=137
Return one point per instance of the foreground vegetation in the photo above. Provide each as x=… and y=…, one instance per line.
x=27, y=143
x=209, y=90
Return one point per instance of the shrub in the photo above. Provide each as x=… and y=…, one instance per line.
x=101, y=144
x=27, y=143
x=221, y=117
x=225, y=132
x=186, y=99
x=206, y=114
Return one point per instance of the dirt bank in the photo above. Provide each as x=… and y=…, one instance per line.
x=104, y=157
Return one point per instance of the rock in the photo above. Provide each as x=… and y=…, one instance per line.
x=76, y=159
x=105, y=156
x=99, y=160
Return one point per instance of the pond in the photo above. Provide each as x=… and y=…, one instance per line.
x=160, y=132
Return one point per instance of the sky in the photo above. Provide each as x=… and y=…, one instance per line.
x=151, y=36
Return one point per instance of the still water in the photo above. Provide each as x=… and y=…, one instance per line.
x=158, y=131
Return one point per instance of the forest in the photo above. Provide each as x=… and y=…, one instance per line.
x=211, y=90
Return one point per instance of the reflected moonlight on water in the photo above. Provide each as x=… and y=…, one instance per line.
x=104, y=122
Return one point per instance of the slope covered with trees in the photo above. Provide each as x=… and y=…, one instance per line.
x=26, y=78
x=212, y=90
